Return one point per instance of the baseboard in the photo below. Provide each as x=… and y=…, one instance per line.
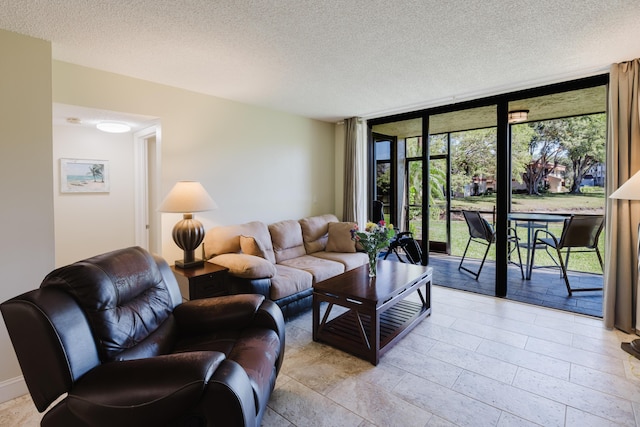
x=12, y=388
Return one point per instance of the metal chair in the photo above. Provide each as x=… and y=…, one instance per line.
x=481, y=231
x=377, y=213
x=580, y=233
x=405, y=241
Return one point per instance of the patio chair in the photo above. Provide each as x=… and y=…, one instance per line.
x=377, y=213
x=580, y=233
x=409, y=246
x=481, y=231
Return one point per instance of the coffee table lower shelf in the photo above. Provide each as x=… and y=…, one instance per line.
x=371, y=314
x=344, y=332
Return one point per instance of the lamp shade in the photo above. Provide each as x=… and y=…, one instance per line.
x=187, y=196
x=630, y=190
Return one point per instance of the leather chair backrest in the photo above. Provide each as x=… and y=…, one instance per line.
x=52, y=340
x=128, y=297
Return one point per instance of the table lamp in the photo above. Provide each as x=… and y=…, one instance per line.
x=187, y=197
x=630, y=190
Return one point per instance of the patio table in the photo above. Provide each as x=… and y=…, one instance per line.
x=533, y=220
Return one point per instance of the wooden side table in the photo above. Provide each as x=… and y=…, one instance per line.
x=210, y=280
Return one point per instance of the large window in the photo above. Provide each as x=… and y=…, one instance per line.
x=539, y=150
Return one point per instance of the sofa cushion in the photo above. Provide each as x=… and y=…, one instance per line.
x=286, y=237
x=250, y=246
x=321, y=269
x=339, y=239
x=226, y=239
x=314, y=231
x=289, y=281
x=349, y=260
x=246, y=266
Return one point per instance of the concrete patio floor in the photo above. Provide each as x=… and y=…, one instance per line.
x=546, y=287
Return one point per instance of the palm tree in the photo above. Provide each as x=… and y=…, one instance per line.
x=97, y=170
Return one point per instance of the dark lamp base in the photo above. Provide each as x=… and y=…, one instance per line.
x=632, y=347
x=191, y=264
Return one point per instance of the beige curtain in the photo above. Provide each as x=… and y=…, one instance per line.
x=623, y=160
x=354, y=201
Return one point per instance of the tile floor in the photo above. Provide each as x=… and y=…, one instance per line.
x=476, y=361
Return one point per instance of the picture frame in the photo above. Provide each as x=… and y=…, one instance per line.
x=84, y=176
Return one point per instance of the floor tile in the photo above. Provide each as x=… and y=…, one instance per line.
x=446, y=403
x=527, y=359
x=302, y=406
x=377, y=405
x=577, y=396
x=530, y=406
x=476, y=361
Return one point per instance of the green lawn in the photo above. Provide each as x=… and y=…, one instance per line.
x=585, y=262
x=592, y=201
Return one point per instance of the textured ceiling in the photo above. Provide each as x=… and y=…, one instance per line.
x=558, y=105
x=333, y=59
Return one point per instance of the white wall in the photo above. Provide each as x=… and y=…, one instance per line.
x=26, y=210
x=88, y=224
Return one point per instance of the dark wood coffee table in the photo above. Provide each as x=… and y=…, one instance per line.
x=378, y=313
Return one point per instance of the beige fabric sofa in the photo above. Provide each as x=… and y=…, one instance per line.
x=283, y=260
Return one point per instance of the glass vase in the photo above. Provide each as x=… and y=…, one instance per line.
x=373, y=263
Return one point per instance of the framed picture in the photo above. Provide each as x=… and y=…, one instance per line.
x=84, y=176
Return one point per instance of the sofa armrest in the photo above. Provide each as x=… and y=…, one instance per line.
x=246, y=266
x=210, y=314
x=151, y=391
x=238, y=285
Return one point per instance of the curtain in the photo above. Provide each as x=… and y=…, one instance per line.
x=620, y=302
x=354, y=201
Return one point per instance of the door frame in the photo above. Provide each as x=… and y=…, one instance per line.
x=145, y=200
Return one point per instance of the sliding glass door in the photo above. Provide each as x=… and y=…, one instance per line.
x=484, y=155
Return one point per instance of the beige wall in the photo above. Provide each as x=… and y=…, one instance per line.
x=26, y=212
x=258, y=164
x=88, y=224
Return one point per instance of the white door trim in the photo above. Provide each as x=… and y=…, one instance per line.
x=142, y=178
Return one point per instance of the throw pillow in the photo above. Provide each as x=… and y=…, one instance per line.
x=340, y=237
x=250, y=246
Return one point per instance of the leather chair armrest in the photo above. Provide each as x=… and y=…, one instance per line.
x=211, y=314
x=270, y=316
x=151, y=391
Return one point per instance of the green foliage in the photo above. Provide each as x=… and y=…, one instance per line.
x=584, y=143
x=473, y=153
x=575, y=142
x=383, y=179
x=374, y=237
x=414, y=147
x=521, y=135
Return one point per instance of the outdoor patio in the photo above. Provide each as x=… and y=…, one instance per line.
x=546, y=288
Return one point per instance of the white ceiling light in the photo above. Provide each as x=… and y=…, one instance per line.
x=113, y=127
x=518, y=116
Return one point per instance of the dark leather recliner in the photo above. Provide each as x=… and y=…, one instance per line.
x=113, y=333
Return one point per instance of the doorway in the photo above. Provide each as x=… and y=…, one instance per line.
x=147, y=177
